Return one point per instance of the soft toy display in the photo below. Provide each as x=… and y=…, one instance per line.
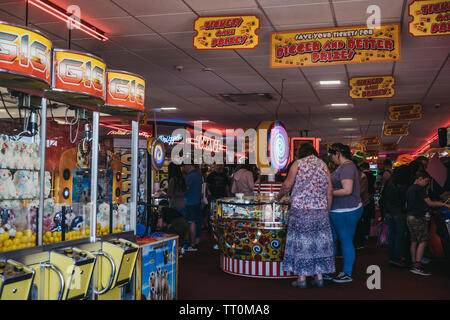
x=24, y=184
x=19, y=155
x=26, y=156
x=35, y=158
x=103, y=214
x=122, y=214
x=3, y=146
x=48, y=184
x=11, y=154
x=7, y=187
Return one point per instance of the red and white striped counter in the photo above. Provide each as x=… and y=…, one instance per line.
x=256, y=269
x=265, y=188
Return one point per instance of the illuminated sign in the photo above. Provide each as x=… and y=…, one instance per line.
x=429, y=18
x=227, y=32
x=206, y=143
x=125, y=90
x=405, y=112
x=329, y=46
x=170, y=140
x=78, y=73
x=396, y=129
x=127, y=133
x=24, y=53
x=372, y=87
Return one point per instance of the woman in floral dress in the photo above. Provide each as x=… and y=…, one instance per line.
x=309, y=243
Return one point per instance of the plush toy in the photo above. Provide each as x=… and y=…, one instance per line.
x=103, y=214
x=3, y=146
x=27, y=152
x=47, y=184
x=34, y=155
x=7, y=187
x=123, y=214
x=11, y=154
x=24, y=184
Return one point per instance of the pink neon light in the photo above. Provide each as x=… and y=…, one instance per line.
x=52, y=11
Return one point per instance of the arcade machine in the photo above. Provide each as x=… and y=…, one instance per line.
x=295, y=144
x=60, y=267
x=24, y=75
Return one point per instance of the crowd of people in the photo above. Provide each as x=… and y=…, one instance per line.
x=331, y=211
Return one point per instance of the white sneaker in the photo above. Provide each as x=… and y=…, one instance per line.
x=216, y=247
x=191, y=248
x=181, y=251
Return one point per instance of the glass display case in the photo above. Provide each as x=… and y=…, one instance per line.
x=251, y=234
x=252, y=209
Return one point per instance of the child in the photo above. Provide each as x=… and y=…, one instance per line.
x=417, y=201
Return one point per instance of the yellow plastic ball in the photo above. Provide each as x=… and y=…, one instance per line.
x=16, y=241
x=19, y=234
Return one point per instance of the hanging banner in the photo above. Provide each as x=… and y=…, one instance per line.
x=429, y=18
x=125, y=90
x=370, y=141
x=355, y=146
x=344, y=45
x=396, y=129
x=372, y=87
x=389, y=147
x=25, y=58
x=227, y=32
x=405, y=112
x=78, y=78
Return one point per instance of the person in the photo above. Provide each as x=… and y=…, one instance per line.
x=417, y=201
x=346, y=208
x=217, y=187
x=309, y=243
x=394, y=203
x=243, y=181
x=369, y=210
x=387, y=171
x=172, y=221
x=423, y=160
x=176, y=188
x=217, y=184
x=192, y=199
x=363, y=226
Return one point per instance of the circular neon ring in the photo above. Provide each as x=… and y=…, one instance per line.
x=279, y=147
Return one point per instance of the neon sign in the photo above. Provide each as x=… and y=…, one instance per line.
x=170, y=140
x=206, y=143
x=127, y=133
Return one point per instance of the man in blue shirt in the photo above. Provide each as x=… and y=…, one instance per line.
x=192, y=199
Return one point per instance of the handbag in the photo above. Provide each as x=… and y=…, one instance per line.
x=383, y=233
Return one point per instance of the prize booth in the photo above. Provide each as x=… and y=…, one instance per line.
x=251, y=231
x=65, y=231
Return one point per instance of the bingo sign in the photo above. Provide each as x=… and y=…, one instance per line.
x=429, y=18
x=372, y=87
x=78, y=78
x=125, y=90
x=25, y=58
x=232, y=32
x=321, y=47
x=156, y=149
x=273, y=147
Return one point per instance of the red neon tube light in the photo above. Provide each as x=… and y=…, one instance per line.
x=430, y=140
x=61, y=14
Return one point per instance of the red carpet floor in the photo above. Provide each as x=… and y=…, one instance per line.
x=200, y=278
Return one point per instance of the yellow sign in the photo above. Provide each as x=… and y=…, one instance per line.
x=354, y=146
x=372, y=87
x=370, y=141
x=396, y=129
x=344, y=45
x=389, y=147
x=429, y=18
x=405, y=112
x=230, y=32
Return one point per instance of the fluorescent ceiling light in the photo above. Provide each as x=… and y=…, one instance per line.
x=339, y=104
x=329, y=82
x=201, y=121
x=348, y=129
x=168, y=108
x=345, y=119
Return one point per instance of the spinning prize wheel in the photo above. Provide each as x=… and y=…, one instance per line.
x=156, y=149
x=272, y=147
